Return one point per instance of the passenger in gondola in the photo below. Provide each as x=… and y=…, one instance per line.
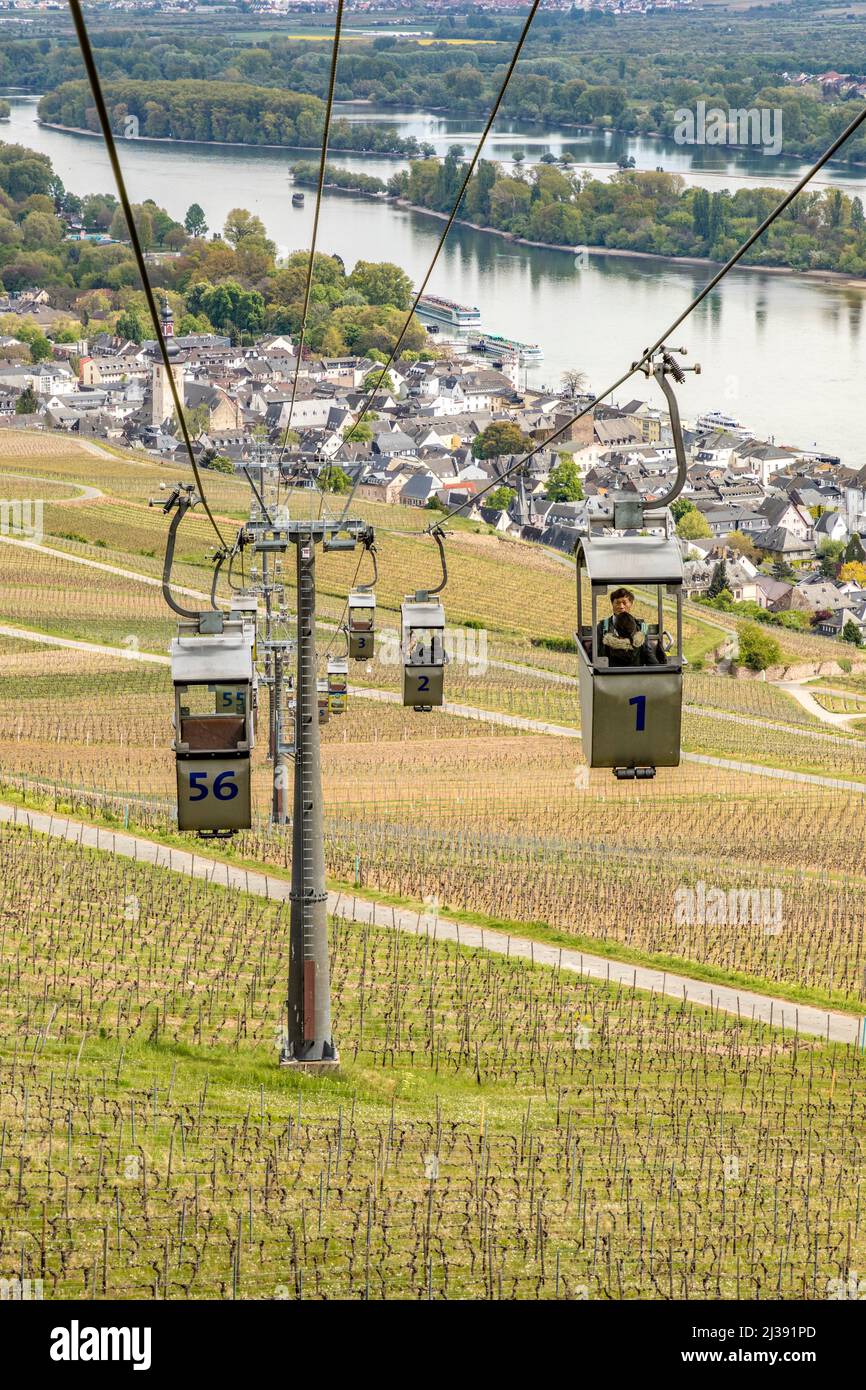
x=627, y=643
x=624, y=639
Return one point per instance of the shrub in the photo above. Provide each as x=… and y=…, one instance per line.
x=758, y=649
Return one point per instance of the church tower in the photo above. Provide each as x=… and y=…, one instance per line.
x=161, y=403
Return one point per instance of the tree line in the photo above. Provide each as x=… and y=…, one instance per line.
x=645, y=212
x=627, y=74
x=231, y=282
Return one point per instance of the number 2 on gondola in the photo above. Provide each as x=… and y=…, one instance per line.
x=640, y=712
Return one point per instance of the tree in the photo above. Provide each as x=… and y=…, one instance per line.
x=361, y=433
x=680, y=507
x=854, y=549
x=130, y=326
x=829, y=557
x=27, y=403
x=693, y=525
x=221, y=464
x=855, y=571
x=195, y=220
x=143, y=225
x=719, y=580
x=197, y=420
x=743, y=544
x=379, y=381
x=500, y=498
x=701, y=213
x=758, y=648
x=564, y=484
x=500, y=437
x=851, y=633
x=40, y=348
x=335, y=479
x=780, y=569
x=382, y=283
x=573, y=381
x=240, y=224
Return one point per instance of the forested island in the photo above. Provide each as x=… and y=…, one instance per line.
x=226, y=112
x=306, y=175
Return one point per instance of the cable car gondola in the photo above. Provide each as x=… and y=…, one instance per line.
x=423, y=624
x=630, y=669
x=212, y=674
x=630, y=709
x=361, y=624
x=422, y=621
x=361, y=615
x=323, y=701
x=338, y=684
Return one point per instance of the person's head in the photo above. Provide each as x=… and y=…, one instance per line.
x=621, y=601
x=624, y=625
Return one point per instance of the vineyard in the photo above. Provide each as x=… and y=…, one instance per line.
x=497, y=1130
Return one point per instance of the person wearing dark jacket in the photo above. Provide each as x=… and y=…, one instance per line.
x=625, y=643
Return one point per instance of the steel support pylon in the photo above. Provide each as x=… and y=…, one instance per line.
x=309, y=1037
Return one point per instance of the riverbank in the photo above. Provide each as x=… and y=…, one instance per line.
x=630, y=133
x=837, y=277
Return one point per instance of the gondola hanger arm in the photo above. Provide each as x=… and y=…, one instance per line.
x=182, y=498
x=661, y=365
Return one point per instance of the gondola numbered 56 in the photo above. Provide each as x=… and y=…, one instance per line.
x=212, y=673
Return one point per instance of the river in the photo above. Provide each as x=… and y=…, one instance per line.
x=785, y=354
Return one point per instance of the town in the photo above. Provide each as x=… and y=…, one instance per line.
x=769, y=531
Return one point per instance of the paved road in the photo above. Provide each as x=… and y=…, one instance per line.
x=812, y=1022
x=93, y=647
x=808, y=701
x=100, y=565
x=85, y=492
x=782, y=774
x=483, y=716
x=539, y=673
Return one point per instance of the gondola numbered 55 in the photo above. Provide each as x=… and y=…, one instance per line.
x=631, y=690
